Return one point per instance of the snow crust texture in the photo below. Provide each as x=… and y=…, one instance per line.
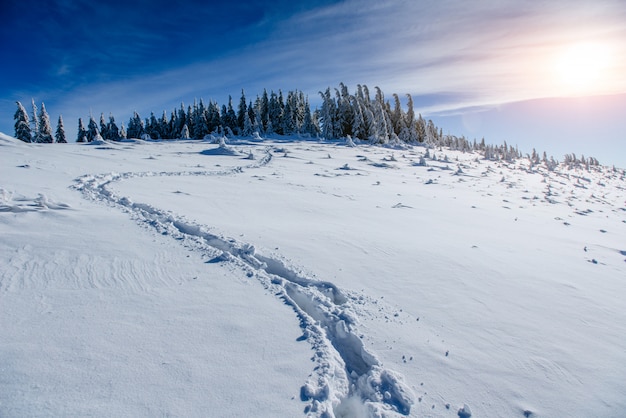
x=419, y=282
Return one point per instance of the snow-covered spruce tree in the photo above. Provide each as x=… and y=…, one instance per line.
x=275, y=110
x=34, y=122
x=22, y=126
x=242, y=113
x=309, y=126
x=152, y=127
x=104, y=132
x=409, y=121
x=257, y=123
x=164, y=126
x=288, y=122
x=224, y=119
x=45, y=129
x=123, y=134
x=380, y=132
x=328, y=115
x=112, y=129
x=179, y=120
x=213, y=117
x=92, y=129
x=264, y=110
x=198, y=116
x=397, y=115
x=135, y=126
x=59, y=135
x=184, y=133
x=248, y=128
x=229, y=117
x=359, y=129
x=345, y=111
x=82, y=132
x=420, y=127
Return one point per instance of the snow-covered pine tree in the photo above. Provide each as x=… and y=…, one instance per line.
x=104, y=132
x=231, y=117
x=22, y=126
x=179, y=121
x=164, y=126
x=81, y=136
x=410, y=133
x=34, y=122
x=264, y=109
x=112, y=129
x=190, y=121
x=213, y=118
x=173, y=124
x=301, y=105
x=420, y=127
x=328, y=115
x=224, y=119
x=366, y=94
x=123, y=134
x=308, y=122
x=288, y=125
x=45, y=129
x=345, y=111
x=92, y=129
x=252, y=114
x=184, y=133
x=380, y=97
x=242, y=113
x=381, y=131
x=359, y=130
x=59, y=135
x=152, y=127
x=200, y=125
x=135, y=126
x=275, y=110
x=248, y=127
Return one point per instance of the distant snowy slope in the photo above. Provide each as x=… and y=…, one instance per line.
x=8, y=140
x=308, y=278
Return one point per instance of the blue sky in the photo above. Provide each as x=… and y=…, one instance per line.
x=489, y=68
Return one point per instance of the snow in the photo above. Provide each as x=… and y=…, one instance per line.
x=185, y=278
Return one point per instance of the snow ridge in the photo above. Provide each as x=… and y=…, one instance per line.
x=348, y=380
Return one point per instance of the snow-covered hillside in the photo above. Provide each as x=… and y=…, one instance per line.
x=307, y=278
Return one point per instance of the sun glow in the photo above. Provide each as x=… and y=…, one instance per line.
x=583, y=67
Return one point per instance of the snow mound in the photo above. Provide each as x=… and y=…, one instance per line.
x=9, y=202
x=222, y=149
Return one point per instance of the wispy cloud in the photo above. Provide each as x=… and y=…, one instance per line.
x=449, y=54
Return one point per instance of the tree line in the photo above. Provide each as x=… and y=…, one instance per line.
x=341, y=115
x=354, y=116
x=37, y=128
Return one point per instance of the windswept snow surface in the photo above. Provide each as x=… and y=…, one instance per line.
x=307, y=278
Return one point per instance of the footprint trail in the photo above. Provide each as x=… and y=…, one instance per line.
x=347, y=378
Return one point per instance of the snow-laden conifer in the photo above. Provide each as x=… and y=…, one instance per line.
x=242, y=113
x=113, y=131
x=34, y=122
x=184, y=133
x=104, y=129
x=59, y=135
x=81, y=136
x=123, y=131
x=22, y=126
x=92, y=129
x=135, y=126
x=45, y=129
